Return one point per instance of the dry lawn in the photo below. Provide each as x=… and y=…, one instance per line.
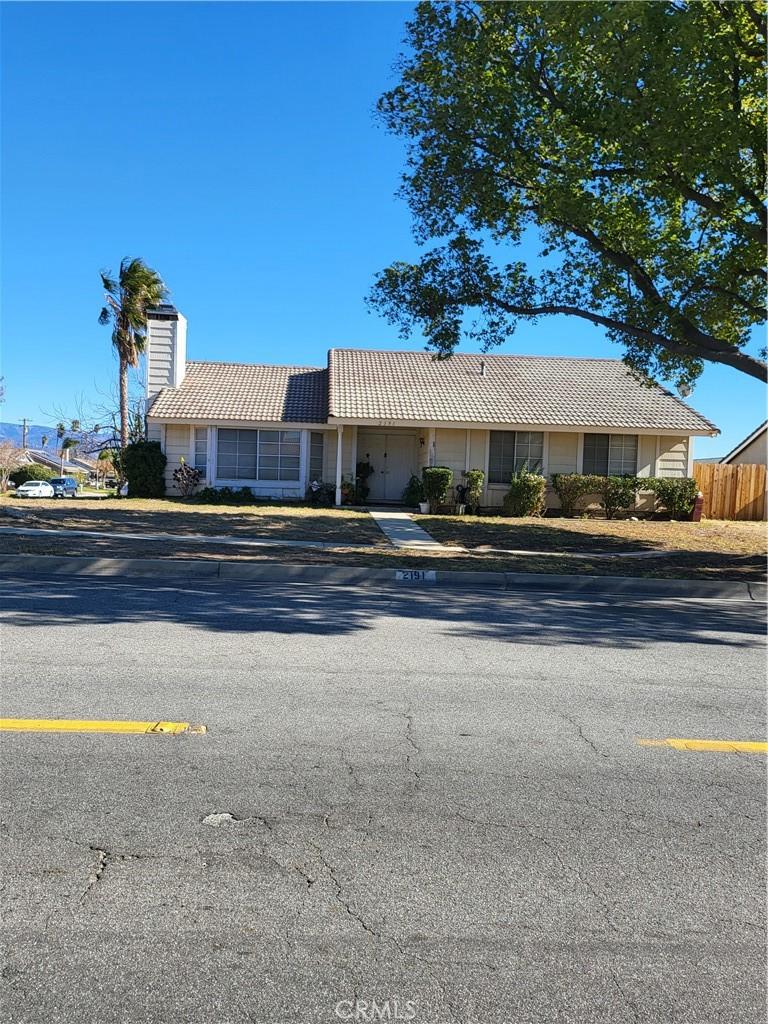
x=709, y=550
x=140, y=515
x=598, y=535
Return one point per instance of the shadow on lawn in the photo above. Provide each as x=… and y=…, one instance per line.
x=542, y=535
x=318, y=526
x=528, y=618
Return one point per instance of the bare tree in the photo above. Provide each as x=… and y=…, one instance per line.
x=11, y=458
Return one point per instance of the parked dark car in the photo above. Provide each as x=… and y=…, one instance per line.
x=64, y=487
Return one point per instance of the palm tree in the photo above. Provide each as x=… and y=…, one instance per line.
x=66, y=445
x=136, y=289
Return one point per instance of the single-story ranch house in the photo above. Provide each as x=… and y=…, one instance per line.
x=275, y=429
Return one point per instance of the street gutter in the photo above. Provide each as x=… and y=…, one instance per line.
x=400, y=578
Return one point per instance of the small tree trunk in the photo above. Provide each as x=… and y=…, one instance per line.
x=123, y=404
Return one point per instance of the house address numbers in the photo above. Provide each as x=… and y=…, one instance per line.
x=416, y=575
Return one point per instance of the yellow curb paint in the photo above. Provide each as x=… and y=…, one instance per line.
x=727, y=746
x=95, y=725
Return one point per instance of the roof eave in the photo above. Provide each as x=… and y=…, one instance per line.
x=362, y=421
x=745, y=443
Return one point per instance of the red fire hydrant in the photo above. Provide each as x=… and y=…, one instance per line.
x=698, y=505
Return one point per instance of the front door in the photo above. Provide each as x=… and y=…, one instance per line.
x=393, y=457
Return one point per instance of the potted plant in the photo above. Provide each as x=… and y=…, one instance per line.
x=348, y=489
x=362, y=471
x=414, y=495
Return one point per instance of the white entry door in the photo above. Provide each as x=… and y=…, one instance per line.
x=393, y=457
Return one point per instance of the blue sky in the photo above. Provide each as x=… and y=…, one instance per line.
x=234, y=148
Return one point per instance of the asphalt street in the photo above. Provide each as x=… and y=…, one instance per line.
x=429, y=804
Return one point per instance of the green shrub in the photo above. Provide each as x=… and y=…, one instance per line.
x=475, y=479
x=31, y=472
x=319, y=493
x=676, y=496
x=437, y=480
x=144, y=465
x=525, y=496
x=617, y=494
x=208, y=496
x=414, y=492
x=570, y=487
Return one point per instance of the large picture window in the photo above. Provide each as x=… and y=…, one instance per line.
x=610, y=454
x=510, y=450
x=258, y=454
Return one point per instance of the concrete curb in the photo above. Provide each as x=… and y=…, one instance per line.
x=339, y=575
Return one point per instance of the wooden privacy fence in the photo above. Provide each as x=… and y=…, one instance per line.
x=732, y=492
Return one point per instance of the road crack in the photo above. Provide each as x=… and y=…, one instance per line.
x=581, y=735
x=97, y=871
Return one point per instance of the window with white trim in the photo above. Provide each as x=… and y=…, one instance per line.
x=610, y=454
x=316, y=442
x=201, y=449
x=258, y=454
x=511, y=450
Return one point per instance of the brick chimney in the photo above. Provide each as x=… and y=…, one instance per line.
x=166, y=350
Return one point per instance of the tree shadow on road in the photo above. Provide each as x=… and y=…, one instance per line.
x=493, y=616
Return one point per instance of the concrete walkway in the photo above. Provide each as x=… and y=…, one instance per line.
x=401, y=531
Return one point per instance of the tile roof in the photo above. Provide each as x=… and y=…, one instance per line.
x=559, y=390
x=246, y=391
x=364, y=384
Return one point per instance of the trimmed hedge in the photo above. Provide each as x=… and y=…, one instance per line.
x=437, y=481
x=675, y=495
x=570, y=487
x=617, y=494
x=525, y=496
x=143, y=463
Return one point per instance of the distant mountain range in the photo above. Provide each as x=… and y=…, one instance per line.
x=35, y=433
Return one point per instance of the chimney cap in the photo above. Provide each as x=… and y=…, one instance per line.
x=164, y=311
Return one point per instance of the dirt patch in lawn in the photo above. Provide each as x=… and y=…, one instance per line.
x=136, y=515
x=687, y=565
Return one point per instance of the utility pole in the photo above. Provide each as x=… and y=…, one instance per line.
x=24, y=432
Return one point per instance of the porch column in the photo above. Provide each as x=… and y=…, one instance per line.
x=354, y=452
x=339, y=438
x=432, y=454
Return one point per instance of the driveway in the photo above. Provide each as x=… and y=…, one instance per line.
x=434, y=800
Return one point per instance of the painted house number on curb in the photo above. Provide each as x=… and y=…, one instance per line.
x=416, y=575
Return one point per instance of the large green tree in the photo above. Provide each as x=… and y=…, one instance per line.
x=128, y=297
x=629, y=136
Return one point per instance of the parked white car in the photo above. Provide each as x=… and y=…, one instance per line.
x=35, y=489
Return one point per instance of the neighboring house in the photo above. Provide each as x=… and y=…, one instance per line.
x=753, y=450
x=274, y=429
x=51, y=459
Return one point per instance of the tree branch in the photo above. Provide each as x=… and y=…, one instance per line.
x=717, y=351
x=757, y=20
